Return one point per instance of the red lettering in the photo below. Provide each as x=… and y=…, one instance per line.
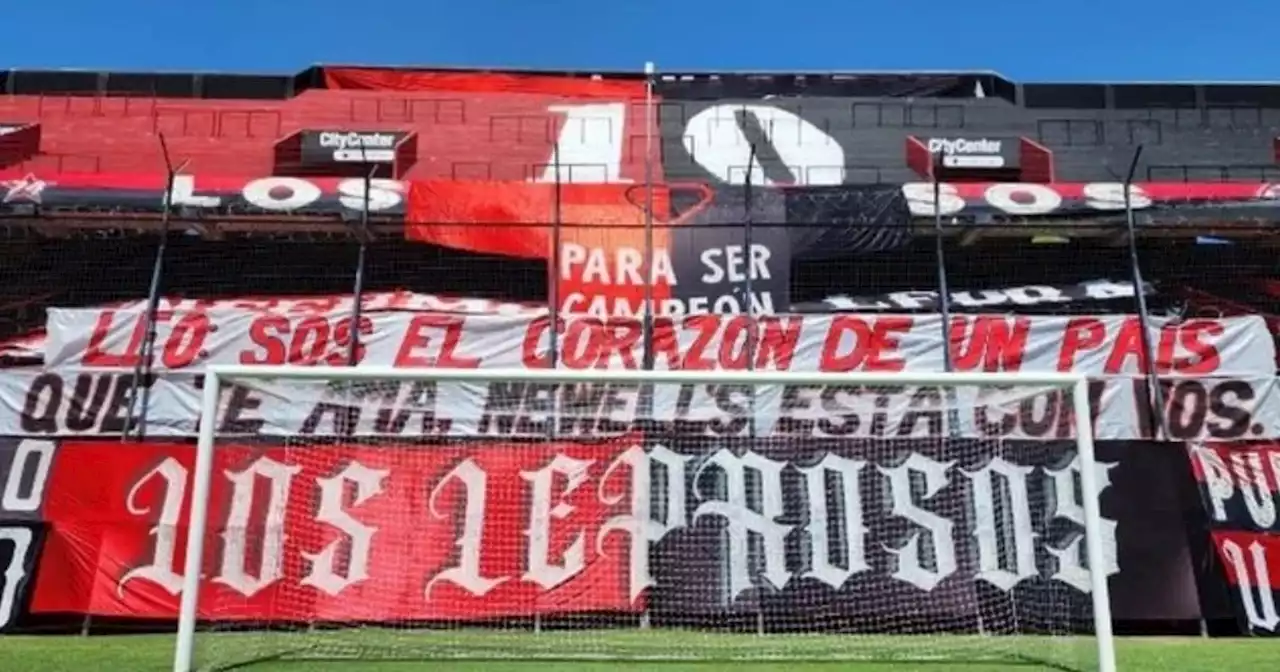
x=1195, y=339
x=314, y=340
x=416, y=338
x=705, y=328
x=96, y=354
x=778, y=341
x=529, y=354
x=181, y=349
x=735, y=357
x=584, y=343
x=1128, y=343
x=580, y=348
x=266, y=332
x=666, y=342
x=1080, y=334
x=343, y=339
x=991, y=344
x=623, y=337
x=310, y=341
x=872, y=342
x=186, y=342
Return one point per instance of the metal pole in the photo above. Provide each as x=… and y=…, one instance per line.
x=556, y=241
x=357, y=289
x=944, y=307
x=142, y=369
x=940, y=263
x=1144, y=318
x=747, y=225
x=648, y=216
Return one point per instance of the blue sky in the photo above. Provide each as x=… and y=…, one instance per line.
x=1033, y=40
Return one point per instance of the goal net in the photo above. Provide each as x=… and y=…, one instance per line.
x=382, y=514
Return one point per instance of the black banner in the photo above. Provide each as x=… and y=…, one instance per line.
x=20, y=545
x=1240, y=490
x=938, y=537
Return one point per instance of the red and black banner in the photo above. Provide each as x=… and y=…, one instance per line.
x=478, y=531
x=1239, y=484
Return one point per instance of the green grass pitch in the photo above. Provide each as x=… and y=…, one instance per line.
x=144, y=653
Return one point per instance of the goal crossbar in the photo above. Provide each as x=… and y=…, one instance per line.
x=184, y=650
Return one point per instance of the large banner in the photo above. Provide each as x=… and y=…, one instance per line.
x=692, y=531
x=1240, y=488
x=1219, y=374
x=97, y=339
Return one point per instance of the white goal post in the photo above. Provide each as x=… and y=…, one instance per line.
x=215, y=378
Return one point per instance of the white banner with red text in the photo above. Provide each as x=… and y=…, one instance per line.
x=188, y=339
x=1219, y=375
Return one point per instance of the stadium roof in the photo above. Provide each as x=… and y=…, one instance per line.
x=214, y=85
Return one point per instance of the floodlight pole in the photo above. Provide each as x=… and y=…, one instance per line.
x=357, y=289
x=649, y=121
x=1155, y=400
x=143, y=367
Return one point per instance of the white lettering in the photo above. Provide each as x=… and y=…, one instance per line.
x=13, y=499
x=1110, y=196
x=159, y=569
x=466, y=574
x=333, y=493
x=639, y=523
x=1013, y=528
x=920, y=199
x=235, y=538
x=626, y=267
x=743, y=522
x=540, y=569
x=20, y=539
x=1023, y=199
x=1065, y=503
x=383, y=194
x=852, y=531
x=737, y=265
x=281, y=193
x=1217, y=480
x=1251, y=481
x=184, y=193
x=1262, y=613
x=911, y=563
